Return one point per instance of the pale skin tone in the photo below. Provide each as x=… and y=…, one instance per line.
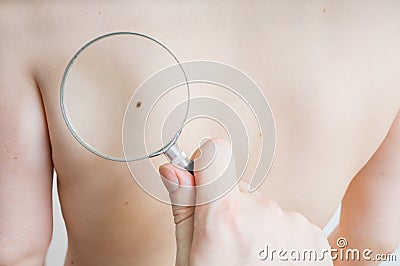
x=201, y=231
x=331, y=78
x=232, y=230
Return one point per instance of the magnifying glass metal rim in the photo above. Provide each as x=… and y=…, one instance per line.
x=163, y=150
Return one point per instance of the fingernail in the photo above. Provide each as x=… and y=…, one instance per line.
x=169, y=179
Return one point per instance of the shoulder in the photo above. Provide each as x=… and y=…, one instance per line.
x=31, y=22
x=19, y=28
x=34, y=32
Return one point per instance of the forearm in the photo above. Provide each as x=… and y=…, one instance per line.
x=19, y=259
x=370, y=211
x=370, y=215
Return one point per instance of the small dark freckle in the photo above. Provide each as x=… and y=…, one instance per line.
x=15, y=158
x=126, y=203
x=8, y=151
x=72, y=262
x=382, y=173
x=138, y=104
x=324, y=10
x=260, y=135
x=99, y=12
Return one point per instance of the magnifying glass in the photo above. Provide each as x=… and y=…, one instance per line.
x=98, y=82
x=125, y=97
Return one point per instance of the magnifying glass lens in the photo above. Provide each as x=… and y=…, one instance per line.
x=108, y=79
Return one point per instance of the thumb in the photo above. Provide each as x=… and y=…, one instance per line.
x=180, y=185
x=215, y=171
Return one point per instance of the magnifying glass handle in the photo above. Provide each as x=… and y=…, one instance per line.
x=179, y=158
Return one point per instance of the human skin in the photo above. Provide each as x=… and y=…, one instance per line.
x=233, y=229
x=331, y=78
x=370, y=213
x=228, y=230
